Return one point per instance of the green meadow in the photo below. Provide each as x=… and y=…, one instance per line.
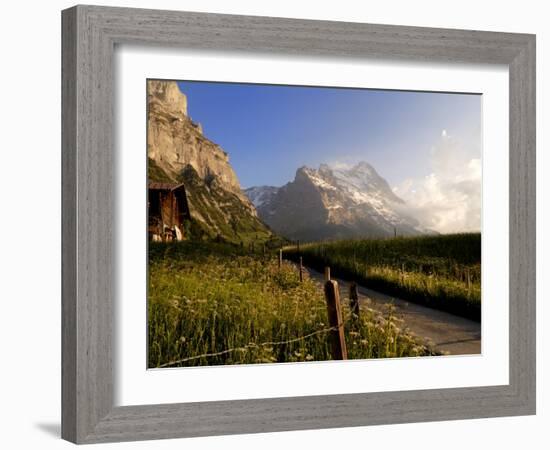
x=218, y=303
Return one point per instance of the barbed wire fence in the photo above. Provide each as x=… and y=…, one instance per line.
x=246, y=347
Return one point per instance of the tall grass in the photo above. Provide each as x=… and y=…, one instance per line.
x=442, y=272
x=211, y=304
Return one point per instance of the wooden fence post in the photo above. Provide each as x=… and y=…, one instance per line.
x=327, y=273
x=280, y=258
x=334, y=309
x=301, y=270
x=354, y=299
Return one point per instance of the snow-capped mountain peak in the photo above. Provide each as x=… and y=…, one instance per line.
x=333, y=202
x=259, y=195
x=363, y=178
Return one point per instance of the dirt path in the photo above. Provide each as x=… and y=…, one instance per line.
x=453, y=334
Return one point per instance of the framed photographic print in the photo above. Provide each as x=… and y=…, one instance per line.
x=267, y=222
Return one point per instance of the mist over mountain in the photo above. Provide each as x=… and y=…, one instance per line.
x=334, y=203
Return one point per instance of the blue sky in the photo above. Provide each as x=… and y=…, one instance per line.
x=270, y=131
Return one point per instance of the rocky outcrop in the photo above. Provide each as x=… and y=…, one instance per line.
x=179, y=152
x=175, y=141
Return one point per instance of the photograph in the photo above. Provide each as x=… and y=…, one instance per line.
x=300, y=224
x=265, y=225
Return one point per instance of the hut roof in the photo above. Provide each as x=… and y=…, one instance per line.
x=159, y=186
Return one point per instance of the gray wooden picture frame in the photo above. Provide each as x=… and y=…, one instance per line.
x=90, y=34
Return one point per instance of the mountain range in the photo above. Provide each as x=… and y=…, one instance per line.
x=324, y=203
x=334, y=203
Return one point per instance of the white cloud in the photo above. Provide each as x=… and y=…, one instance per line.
x=449, y=198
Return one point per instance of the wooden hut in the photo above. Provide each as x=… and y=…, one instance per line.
x=167, y=208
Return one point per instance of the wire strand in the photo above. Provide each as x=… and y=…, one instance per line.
x=246, y=347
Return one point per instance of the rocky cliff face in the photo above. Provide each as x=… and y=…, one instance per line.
x=175, y=141
x=328, y=203
x=179, y=152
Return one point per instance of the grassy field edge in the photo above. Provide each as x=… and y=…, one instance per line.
x=422, y=273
